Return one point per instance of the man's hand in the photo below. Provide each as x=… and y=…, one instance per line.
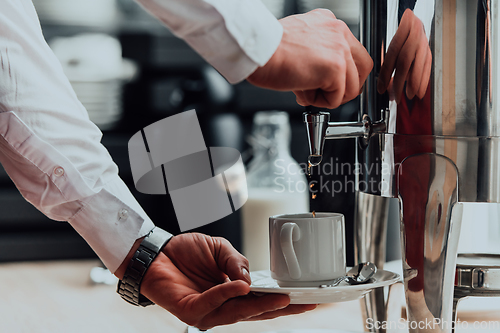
x=318, y=59
x=205, y=282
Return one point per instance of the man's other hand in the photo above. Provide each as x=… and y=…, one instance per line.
x=319, y=59
x=205, y=282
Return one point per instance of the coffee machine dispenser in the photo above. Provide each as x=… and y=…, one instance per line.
x=428, y=134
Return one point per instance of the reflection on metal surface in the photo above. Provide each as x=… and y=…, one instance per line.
x=430, y=228
x=462, y=35
x=449, y=114
x=370, y=228
x=380, y=179
x=382, y=305
x=410, y=59
x=370, y=231
x=459, y=102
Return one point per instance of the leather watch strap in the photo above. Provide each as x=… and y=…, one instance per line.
x=129, y=287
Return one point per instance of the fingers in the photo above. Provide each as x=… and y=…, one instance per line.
x=410, y=56
x=216, y=296
x=231, y=262
x=311, y=96
x=392, y=55
x=318, y=59
x=244, y=308
x=350, y=75
x=344, y=75
x=404, y=62
x=346, y=80
x=352, y=82
x=361, y=58
x=328, y=100
x=289, y=310
x=415, y=75
x=332, y=94
x=426, y=75
x=300, y=97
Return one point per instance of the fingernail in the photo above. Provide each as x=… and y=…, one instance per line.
x=280, y=306
x=258, y=294
x=246, y=275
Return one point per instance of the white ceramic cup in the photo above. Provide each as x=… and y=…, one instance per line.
x=307, y=251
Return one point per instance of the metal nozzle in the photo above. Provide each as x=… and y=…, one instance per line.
x=316, y=127
x=319, y=129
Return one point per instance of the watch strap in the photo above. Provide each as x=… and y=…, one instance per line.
x=129, y=287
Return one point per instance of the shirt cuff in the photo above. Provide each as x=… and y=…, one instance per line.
x=255, y=34
x=234, y=36
x=108, y=217
x=253, y=26
x=110, y=222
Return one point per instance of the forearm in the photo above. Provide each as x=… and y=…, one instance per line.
x=234, y=36
x=52, y=151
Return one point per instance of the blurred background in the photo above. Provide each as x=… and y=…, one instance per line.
x=130, y=71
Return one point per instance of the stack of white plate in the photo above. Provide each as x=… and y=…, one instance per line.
x=97, y=72
x=103, y=98
x=102, y=101
x=347, y=11
x=77, y=12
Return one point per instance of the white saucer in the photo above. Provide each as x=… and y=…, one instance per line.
x=262, y=282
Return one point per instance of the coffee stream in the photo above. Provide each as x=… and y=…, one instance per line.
x=313, y=195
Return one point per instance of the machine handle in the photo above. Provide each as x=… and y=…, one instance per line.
x=290, y=232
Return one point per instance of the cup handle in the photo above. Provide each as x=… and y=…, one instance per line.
x=290, y=232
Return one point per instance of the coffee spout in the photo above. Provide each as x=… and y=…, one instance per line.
x=319, y=128
x=316, y=127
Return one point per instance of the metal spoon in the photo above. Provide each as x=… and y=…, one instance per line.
x=359, y=274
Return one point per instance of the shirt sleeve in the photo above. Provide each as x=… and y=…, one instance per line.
x=50, y=148
x=234, y=36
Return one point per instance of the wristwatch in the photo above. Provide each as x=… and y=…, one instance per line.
x=129, y=287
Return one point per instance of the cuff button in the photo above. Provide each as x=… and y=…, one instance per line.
x=122, y=214
x=58, y=172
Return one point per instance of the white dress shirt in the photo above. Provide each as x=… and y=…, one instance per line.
x=234, y=36
x=51, y=149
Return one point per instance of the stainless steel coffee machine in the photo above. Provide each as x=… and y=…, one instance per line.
x=428, y=134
